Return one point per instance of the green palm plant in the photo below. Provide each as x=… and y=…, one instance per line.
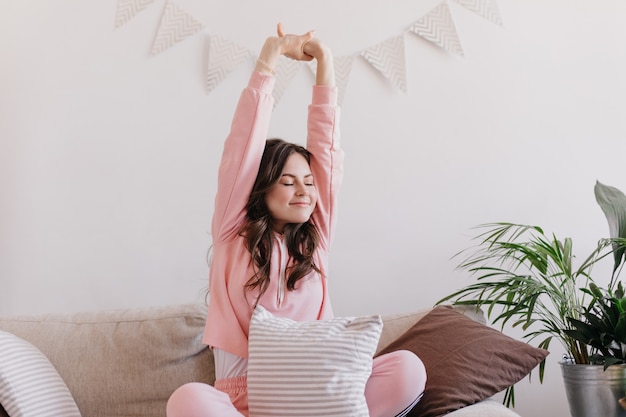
x=603, y=327
x=527, y=278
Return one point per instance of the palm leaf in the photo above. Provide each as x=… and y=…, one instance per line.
x=613, y=203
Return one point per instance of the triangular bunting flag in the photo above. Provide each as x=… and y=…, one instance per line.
x=438, y=27
x=224, y=57
x=176, y=25
x=286, y=69
x=127, y=9
x=388, y=57
x=484, y=8
x=312, y=65
x=343, y=67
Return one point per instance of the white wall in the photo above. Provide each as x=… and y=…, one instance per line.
x=108, y=156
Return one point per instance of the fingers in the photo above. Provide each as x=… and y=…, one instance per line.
x=308, y=36
x=293, y=45
x=280, y=29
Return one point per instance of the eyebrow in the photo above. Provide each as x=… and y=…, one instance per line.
x=294, y=176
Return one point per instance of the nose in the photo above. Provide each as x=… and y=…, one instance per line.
x=302, y=190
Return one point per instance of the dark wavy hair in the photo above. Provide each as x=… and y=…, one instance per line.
x=301, y=239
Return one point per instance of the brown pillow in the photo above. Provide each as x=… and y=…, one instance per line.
x=465, y=361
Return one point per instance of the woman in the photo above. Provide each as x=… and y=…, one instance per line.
x=272, y=228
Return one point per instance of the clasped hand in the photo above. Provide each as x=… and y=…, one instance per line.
x=300, y=47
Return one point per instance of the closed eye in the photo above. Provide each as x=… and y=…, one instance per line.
x=288, y=180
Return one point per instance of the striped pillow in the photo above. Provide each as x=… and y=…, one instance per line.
x=29, y=384
x=310, y=369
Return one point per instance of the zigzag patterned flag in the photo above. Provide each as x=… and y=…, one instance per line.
x=286, y=69
x=438, y=27
x=127, y=9
x=343, y=67
x=484, y=8
x=176, y=25
x=312, y=65
x=224, y=56
x=388, y=58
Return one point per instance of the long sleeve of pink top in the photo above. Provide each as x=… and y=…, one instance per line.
x=230, y=306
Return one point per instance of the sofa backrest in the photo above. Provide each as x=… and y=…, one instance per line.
x=128, y=362
x=122, y=362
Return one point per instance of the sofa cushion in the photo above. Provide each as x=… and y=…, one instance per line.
x=29, y=384
x=310, y=368
x=122, y=362
x=398, y=323
x=465, y=360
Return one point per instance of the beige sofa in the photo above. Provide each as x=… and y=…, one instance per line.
x=124, y=363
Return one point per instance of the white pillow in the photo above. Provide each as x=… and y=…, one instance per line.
x=312, y=368
x=29, y=384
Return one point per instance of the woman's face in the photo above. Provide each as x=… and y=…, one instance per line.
x=292, y=199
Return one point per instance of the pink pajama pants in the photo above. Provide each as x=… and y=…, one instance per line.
x=395, y=386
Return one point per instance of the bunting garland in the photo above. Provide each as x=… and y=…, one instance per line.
x=224, y=57
x=176, y=25
x=438, y=27
x=286, y=69
x=484, y=8
x=388, y=57
x=127, y=9
x=343, y=67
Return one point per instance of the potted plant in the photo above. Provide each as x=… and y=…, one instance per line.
x=603, y=329
x=529, y=279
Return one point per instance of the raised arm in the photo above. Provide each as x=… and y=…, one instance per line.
x=245, y=143
x=323, y=140
x=325, y=75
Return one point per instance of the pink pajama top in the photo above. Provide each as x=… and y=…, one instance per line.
x=230, y=306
